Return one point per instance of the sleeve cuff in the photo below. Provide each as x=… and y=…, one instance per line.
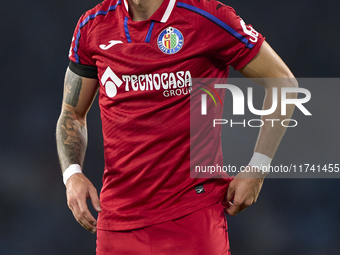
x=84, y=70
x=250, y=56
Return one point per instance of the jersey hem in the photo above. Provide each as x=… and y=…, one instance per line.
x=143, y=224
x=171, y=215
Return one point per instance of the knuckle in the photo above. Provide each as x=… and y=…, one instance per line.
x=77, y=216
x=70, y=201
x=232, y=213
x=238, y=203
x=83, y=225
x=248, y=203
x=83, y=211
x=80, y=219
x=70, y=206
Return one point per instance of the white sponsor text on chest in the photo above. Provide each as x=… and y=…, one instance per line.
x=142, y=82
x=172, y=84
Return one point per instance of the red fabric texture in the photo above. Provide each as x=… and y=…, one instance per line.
x=203, y=232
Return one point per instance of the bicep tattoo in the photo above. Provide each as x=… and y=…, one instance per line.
x=73, y=84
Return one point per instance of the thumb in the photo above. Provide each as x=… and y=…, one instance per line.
x=95, y=199
x=232, y=210
x=230, y=194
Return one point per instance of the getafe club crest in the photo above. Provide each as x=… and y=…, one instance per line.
x=170, y=40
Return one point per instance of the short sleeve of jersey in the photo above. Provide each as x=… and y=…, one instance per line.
x=81, y=61
x=235, y=42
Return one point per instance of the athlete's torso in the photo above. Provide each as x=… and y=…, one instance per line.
x=145, y=71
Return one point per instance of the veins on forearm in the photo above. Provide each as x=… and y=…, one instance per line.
x=71, y=139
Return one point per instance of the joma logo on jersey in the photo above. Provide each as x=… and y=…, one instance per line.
x=172, y=84
x=170, y=40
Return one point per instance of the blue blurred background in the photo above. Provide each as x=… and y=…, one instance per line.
x=292, y=216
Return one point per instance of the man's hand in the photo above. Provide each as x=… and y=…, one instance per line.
x=78, y=189
x=243, y=191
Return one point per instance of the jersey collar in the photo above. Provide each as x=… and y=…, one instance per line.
x=161, y=15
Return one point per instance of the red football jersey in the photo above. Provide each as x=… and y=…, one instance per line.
x=145, y=70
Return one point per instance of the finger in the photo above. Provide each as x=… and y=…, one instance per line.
x=81, y=212
x=236, y=206
x=86, y=223
x=84, y=211
x=95, y=199
x=79, y=217
x=232, y=210
x=239, y=204
x=230, y=195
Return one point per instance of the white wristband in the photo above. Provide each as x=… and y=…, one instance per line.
x=261, y=161
x=71, y=170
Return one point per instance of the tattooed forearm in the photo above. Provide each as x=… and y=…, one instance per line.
x=71, y=139
x=72, y=88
